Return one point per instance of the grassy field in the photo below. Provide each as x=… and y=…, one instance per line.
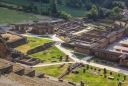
x=89, y=78
x=12, y=16
x=52, y=54
x=53, y=70
x=33, y=42
x=96, y=80
x=73, y=11
x=80, y=56
x=99, y=61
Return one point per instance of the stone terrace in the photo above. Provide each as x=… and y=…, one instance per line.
x=66, y=28
x=27, y=76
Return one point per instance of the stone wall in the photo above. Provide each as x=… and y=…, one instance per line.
x=109, y=55
x=31, y=73
x=112, y=39
x=27, y=60
x=4, y=50
x=126, y=31
x=103, y=44
x=123, y=62
x=6, y=69
x=18, y=42
x=67, y=45
x=82, y=50
x=20, y=71
x=40, y=48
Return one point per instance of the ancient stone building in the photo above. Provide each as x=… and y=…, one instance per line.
x=94, y=42
x=36, y=28
x=43, y=29
x=20, y=27
x=4, y=50
x=26, y=76
x=123, y=60
x=97, y=39
x=104, y=54
x=13, y=40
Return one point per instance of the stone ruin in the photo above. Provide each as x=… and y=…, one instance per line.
x=27, y=60
x=36, y=28
x=41, y=48
x=70, y=68
x=4, y=50
x=66, y=28
x=29, y=77
x=13, y=40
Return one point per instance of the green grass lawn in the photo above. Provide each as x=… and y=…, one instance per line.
x=110, y=63
x=52, y=54
x=80, y=56
x=96, y=80
x=75, y=12
x=12, y=16
x=89, y=78
x=53, y=70
x=33, y=42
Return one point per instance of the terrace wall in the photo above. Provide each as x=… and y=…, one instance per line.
x=40, y=48
x=4, y=50
x=113, y=56
x=18, y=42
x=67, y=45
x=82, y=50
x=126, y=31
x=6, y=69
x=103, y=44
x=112, y=39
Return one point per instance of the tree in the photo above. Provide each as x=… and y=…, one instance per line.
x=118, y=4
x=41, y=6
x=114, y=14
x=59, y=2
x=74, y=3
x=101, y=12
x=93, y=13
x=35, y=9
x=88, y=6
x=53, y=7
x=63, y=14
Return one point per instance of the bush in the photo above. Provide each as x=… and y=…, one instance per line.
x=63, y=14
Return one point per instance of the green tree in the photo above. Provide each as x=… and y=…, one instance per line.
x=114, y=14
x=101, y=12
x=74, y=3
x=53, y=7
x=93, y=13
x=35, y=9
x=59, y=2
x=41, y=6
x=63, y=14
x=118, y=4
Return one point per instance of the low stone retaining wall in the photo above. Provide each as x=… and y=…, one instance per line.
x=67, y=45
x=40, y=48
x=17, y=42
x=28, y=60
